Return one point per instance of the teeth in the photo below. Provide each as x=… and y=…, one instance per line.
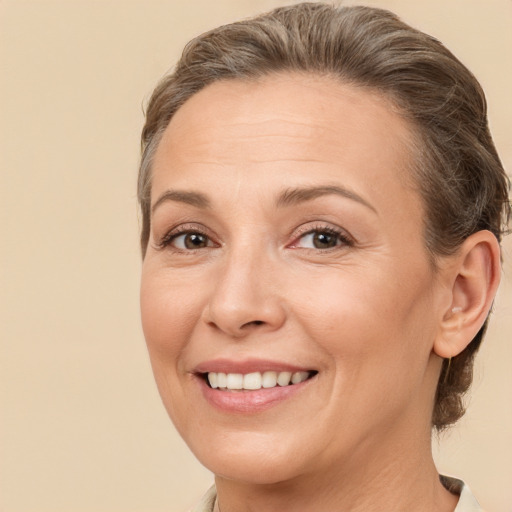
x=283, y=378
x=298, y=377
x=221, y=380
x=213, y=379
x=269, y=380
x=252, y=381
x=234, y=381
x=255, y=380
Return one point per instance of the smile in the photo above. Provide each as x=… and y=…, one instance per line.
x=252, y=392
x=255, y=380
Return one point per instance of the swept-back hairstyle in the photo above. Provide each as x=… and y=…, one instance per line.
x=457, y=169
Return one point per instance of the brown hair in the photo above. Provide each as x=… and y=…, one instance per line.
x=457, y=171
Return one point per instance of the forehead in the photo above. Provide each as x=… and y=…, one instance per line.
x=310, y=126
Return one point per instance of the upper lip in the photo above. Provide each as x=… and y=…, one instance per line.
x=247, y=366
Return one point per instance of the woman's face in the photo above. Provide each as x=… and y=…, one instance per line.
x=287, y=238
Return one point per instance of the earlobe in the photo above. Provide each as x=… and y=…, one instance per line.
x=475, y=275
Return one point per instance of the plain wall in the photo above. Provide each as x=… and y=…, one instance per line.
x=82, y=427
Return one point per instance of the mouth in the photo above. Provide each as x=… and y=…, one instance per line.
x=254, y=381
x=251, y=386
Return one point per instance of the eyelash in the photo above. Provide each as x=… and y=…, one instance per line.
x=341, y=235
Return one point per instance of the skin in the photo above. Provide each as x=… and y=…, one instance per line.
x=365, y=314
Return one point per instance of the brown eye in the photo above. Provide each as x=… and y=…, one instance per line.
x=188, y=241
x=321, y=239
x=191, y=241
x=324, y=240
x=195, y=241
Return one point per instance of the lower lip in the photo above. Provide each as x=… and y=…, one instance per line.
x=247, y=401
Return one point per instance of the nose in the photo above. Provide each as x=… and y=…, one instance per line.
x=245, y=297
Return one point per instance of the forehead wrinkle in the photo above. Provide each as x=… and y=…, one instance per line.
x=199, y=131
x=192, y=130
x=274, y=129
x=308, y=121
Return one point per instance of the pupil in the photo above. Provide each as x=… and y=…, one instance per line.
x=194, y=241
x=324, y=240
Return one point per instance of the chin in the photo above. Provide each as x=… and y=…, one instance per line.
x=251, y=471
x=255, y=461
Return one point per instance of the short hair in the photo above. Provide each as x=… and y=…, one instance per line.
x=457, y=170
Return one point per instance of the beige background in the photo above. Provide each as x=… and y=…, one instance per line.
x=81, y=426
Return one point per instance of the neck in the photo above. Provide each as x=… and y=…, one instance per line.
x=394, y=475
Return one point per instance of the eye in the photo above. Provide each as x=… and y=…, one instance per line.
x=186, y=239
x=322, y=238
x=190, y=241
x=319, y=240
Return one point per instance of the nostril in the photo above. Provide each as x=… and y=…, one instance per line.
x=254, y=322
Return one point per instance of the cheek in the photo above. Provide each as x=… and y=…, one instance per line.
x=346, y=303
x=367, y=318
x=168, y=316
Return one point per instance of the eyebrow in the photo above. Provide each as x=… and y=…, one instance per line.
x=192, y=198
x=293, y=196
x=289, y=197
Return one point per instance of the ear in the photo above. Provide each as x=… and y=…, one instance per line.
x=474, y=275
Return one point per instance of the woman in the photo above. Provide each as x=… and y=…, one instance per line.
x=322, y=208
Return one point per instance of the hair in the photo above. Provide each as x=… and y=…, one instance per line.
x=457, y=170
